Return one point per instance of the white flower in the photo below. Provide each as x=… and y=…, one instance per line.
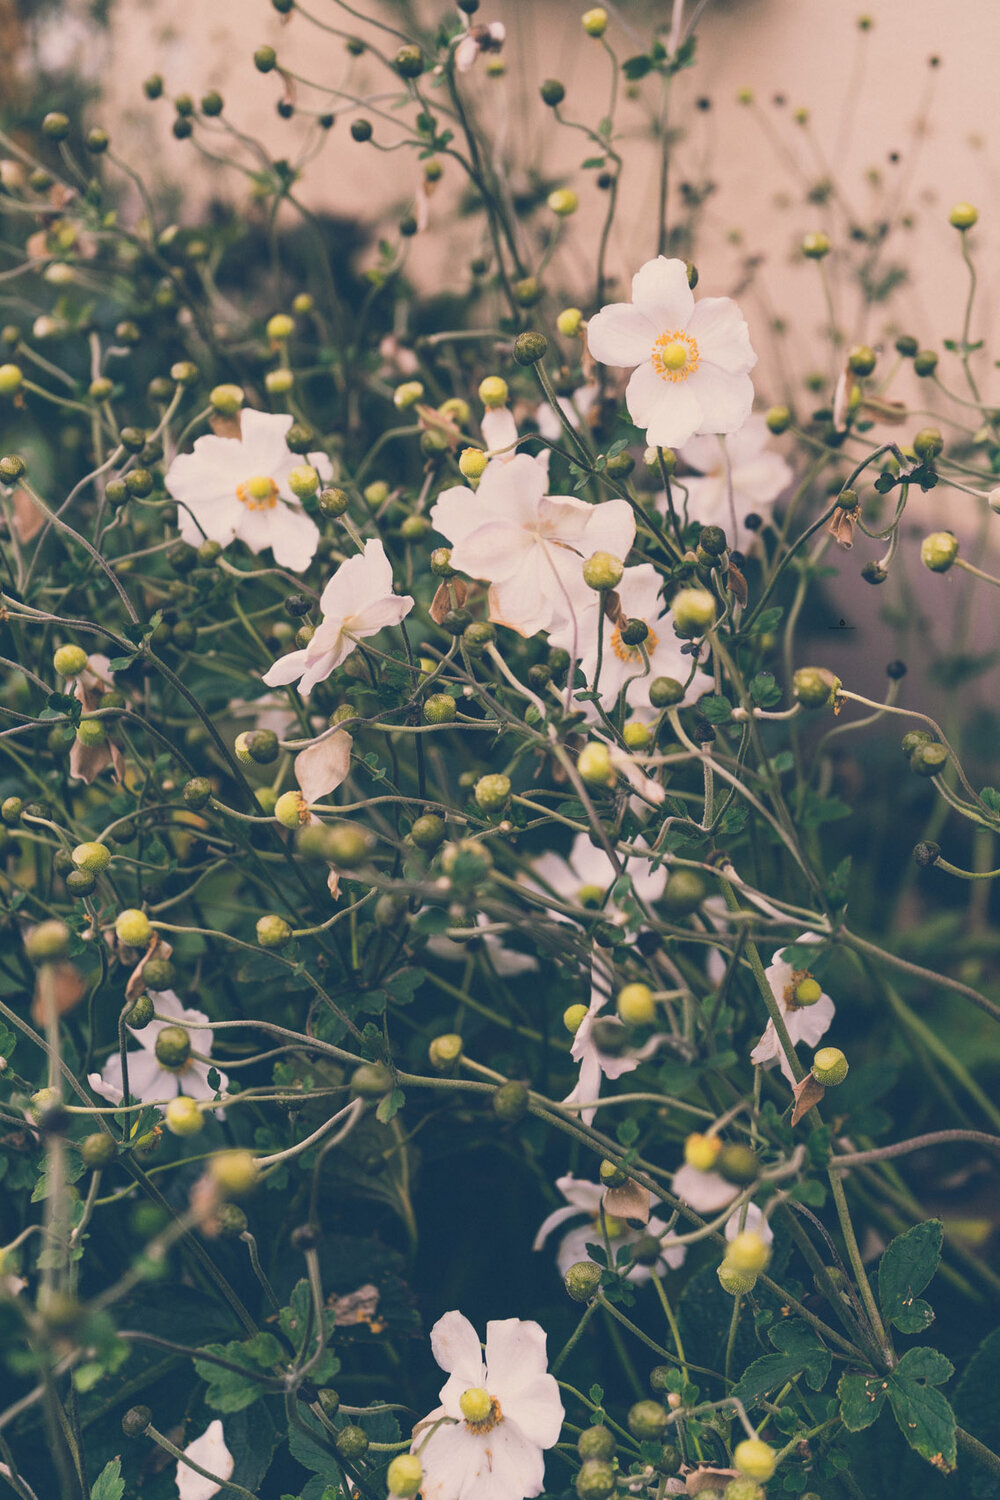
x=586, y=1050
x=575, y=408
x=585, y=1198
x=758, y=474
x=232, y=488
x=496, y=1417
x=357, y=602
x=479, y=39
x=148, y=1079
x=806, y=1023
x=639, y=593
x=531, y=546
x=693, y=360
x=587, y=874
x=505, y=961
x=754, y=1223
x=708, y=1192
x=211, y=1453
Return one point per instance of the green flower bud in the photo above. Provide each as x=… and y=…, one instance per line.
x=230, y=1220
x=492, y=792
x=69, y=661
x=11, y=380
x=829, y=1066
x=510, y=1102
x=582, y=1280
x=755, y=1459
x=55, y=126
x=596, y=1442
x=778, y=419
x=12, y=468
x=173, y=1047
x=735, y=1282
x=409, y=62
x=596, y=1480
x=743, y=1489
x=159, y=974
x=815, y=687
x=46, y=942
x=963, y=216
x=97, y=1150
x=815, y=246
x=139, y=483
x=92, y=857
x=404, y=1476
x=913, y=738
x=861, y=360
x=361, y=130
x=428, y=832
x=265, y=59
x=10, y=811
x=439, y=708
x=636, y=1006
x=493, y=392
x=939, y=550
x=928, y=443
x=602, y=571
x=553, y=93
x=595, y=22
x=351, y=1443
x=748, y=1253
x=530, y=347
x=929, y=760
x=136, y=1420
x=183, y=1117
x=693, y=612
x=594, y=765
x=685, y=891
x=665, y=692
x=371, y=1081
x=738, y=1165
x=133, y=928
x=234, y=1173
x=141, y=1012
x=528, y=291
x=273, y=931
x=925, y=363
x=569, y=322
x=648, y=1420
x=197, y=792
x=445, y=1051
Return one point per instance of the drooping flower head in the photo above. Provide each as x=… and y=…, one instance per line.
x=807, y=1011
x=529, y=545
x=238, y=487
x=497, y=1416
x=585, y=1198
x=691, y=360
x=356, y=603
x=756, y=473
x=151, y=1079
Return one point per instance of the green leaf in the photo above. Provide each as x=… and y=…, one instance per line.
x=906, y=1267
x=8, y=1041
x=715, y=708
x=862, y=1398
x=390, y=1106
x=922, y=1414
x=313, y=1449
x=764, y=691
x=228, y=1390
x=635, y=68
x=801, y=1352
x=109, y=1484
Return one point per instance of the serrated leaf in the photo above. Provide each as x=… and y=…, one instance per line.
x=922, y=1414
x=715, y=708
x=800, y=1352
x=907, y=1265
x=390, y=1106
x=861, y=1398
x=109, y=1484
x=229, y=1390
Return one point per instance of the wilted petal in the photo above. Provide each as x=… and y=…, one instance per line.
x=323, y=765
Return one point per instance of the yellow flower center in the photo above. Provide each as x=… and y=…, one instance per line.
x=259, y=492
x=480, y=1410
x=632, y=653
x=801, y=979
x=590, y=895
x=675, y=355
x=615, y=1227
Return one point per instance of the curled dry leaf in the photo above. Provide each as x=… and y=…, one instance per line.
x=631, y=1201
x=807, y=1093
x=455, y=589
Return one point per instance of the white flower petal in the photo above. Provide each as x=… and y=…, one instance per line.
x=722, y=335
x=455, y=1346
x=323, y=765
x=294, y=538
x=754, y=1221
x=668, y=410
x=499, y=428
x=725, y=400
x=211, y=1453
x=661, y=289
x=705, y=1192
x=622, y=335
x=286, y=669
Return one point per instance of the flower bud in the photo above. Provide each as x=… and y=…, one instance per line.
x=596, y=1480
x=594, y=765
x=736, y=1283
x=692, y=611
x=530, y=347
x=439, y=708
x=748, y=1253
x=963, y=216
x=595, y=22
x=815, y=687
x=829, y=1066
x=702, y=1151
x=97, y=1150
x=136, y=1420
x=755, y=1459
x=234, y=1173
x=12, y=468
x=553, y=93
x=637, y=736
x=861, y=360
x=445, y=1051
x=573, y=1018
x=636, y=1005
x=510, y=1102
x=351, y=1443
x=10, y=811
x=133, y=928
x=493, y=392
x=492, y=792
x=563, y=202
x=926, y=853
x=303, y=481
x=472, y=463
x=69, y=661
x=745, y=1489
x=925, y=362
x=409, y=62
x=665, y=692
x=647, y=1420
x=93, y=857
x=11, y=380
x=685, y=891
x=273, y=931
x=738, y=1165
x=371, y=1081
x=778, y=419
x=815, y=246
x=582, y=1280
x=404, y=1476
x=428, y=832
x=407, y=394
x=173, y=1047
x=361, y=130
x=939, y=550
x=230, y=1221
x=603, y=571
x=80, y=882
x=141, y=1013
x=929, y=759
x=477, y=636
x=91, y=732
x=291, y=810
x=183, y=1116
x=197, y=792
x=928, y=443
x=347, y=844
x=569, y=321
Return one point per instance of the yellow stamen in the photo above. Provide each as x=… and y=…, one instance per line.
x=259, y=492
x=632, y=653
x=798, y=975
x=480, y=1410
x=675, y=355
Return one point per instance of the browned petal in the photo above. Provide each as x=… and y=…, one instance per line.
x=807, y=1093
x=630, y=1201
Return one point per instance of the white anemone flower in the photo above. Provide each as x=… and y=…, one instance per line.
x=586, y=875
x=489, y=38
x=211, y=1453
x=806, y=1022
x=356, y=603
x=639, y=594
x=692, y=360
x=505, y=961
x=593, y=1058
x=585, y=1198
x=529, y=545
x=238, y=488
x=709, y=1192
x=486, y=1439
x=751, y=1219
x=757, y=473
x=151, y=1081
